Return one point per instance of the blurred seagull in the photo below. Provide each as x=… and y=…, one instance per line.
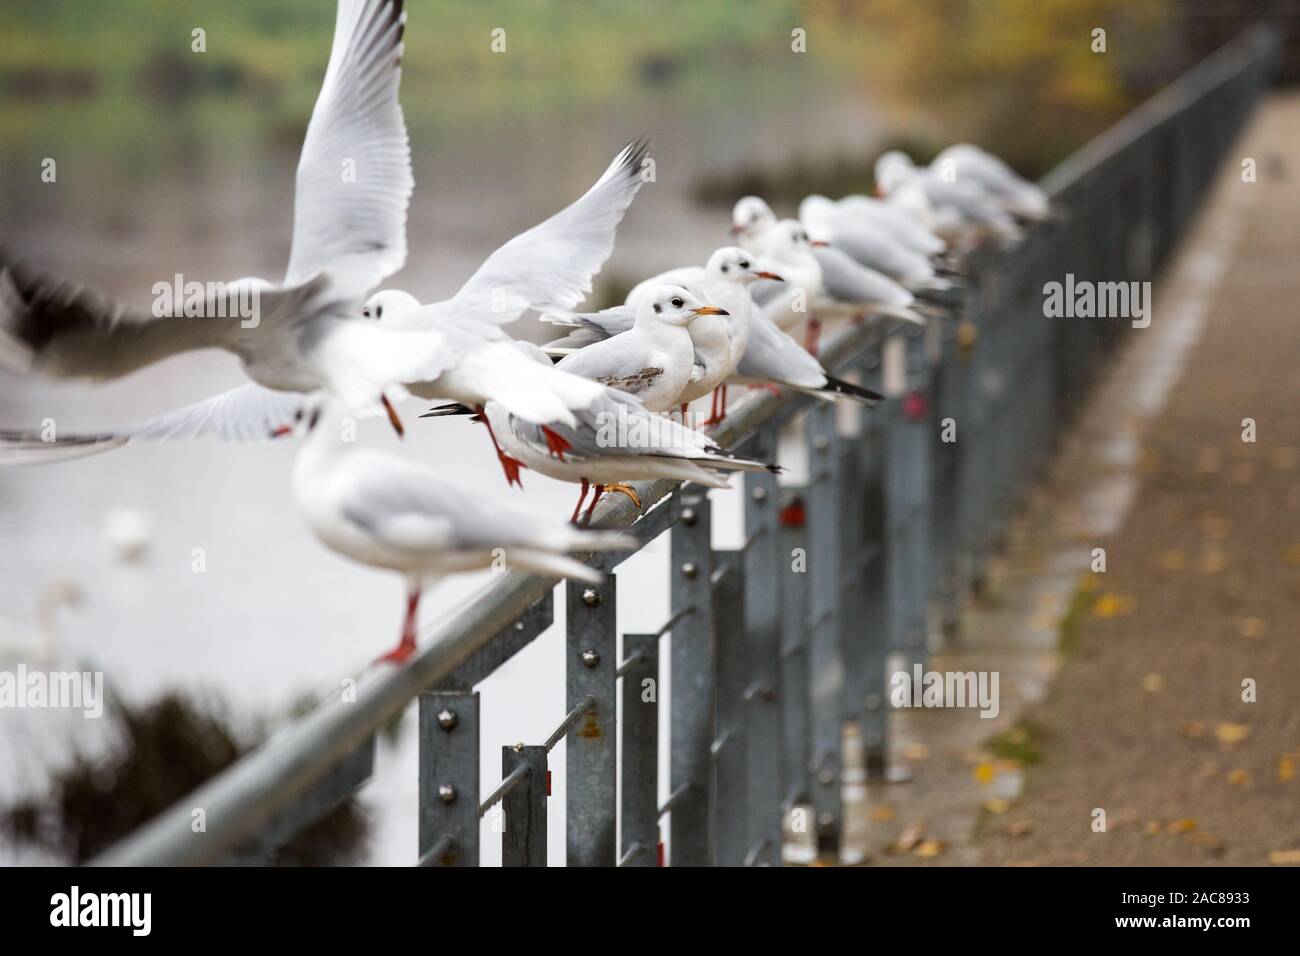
x=870, y=244
x=958, y=206
x=302, y=334
x=1017, y=195
x=388, y=513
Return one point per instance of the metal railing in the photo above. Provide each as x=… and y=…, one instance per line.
x=767, y=665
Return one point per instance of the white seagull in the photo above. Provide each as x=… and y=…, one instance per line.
x=655, y=359
x=1017, y=195
x=386, y=512
x=959, y=206
x=304, y=333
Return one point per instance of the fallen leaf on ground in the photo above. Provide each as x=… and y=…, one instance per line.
x=1238, y=777
x=1213, y=560
x=882, y=813
x=1284, y=856
x=997, y=805
x=1286, y=768
x=1019, y=827
x=1185, y=825
x=1152, y=828
x=1230, y=733
x=1192, y=728
x=930, y=848
x=984, y=773
x=1113, y=605
x=1153, y=683
x=1251, y=627
x=910, y=837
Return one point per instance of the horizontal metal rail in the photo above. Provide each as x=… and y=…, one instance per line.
x=896, y=515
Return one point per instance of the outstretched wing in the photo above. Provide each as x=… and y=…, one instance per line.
x=354, y=175
x=56, y=327
x=248, y=413
x=552, y=264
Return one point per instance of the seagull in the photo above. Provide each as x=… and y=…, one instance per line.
x=1017, y=195
x=958, y=205
x=616, y=441
x=40, y=646
x=655, y=359
x=719, y=341
x=385, y=512
x=302, y=334
x=550, y=266
x=774, y=358
x=870, y=244
x=905, y=226
x=842, y=287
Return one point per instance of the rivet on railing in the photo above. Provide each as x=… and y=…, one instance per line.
x=590, y=658
x=590, y=597
x=689, y=517
x=447, y=719
x=821, y=442
x=689, y=570
x=826, y=777
x=446, y=793
x=759, y=493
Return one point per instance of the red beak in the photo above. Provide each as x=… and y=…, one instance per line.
x=819, y=243
x=769, y=275
x=737, y=229
x=281, y=431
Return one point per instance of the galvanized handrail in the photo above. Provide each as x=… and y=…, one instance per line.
x=770, y=662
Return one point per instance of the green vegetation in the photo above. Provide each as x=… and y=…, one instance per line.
x=1022, y=742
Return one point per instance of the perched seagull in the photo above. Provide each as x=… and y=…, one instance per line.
x=655, y=359
x=303, y=334
x=774, y=358
x=550, y=266
x=904, y=225
x=616, y=441
x=719, y=340
x=957, y=205
x=843, y=288
x=870, y=244
x=385, y=512
x=1017, y=195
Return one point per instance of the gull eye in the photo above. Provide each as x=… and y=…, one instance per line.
x=297, y=416
x=366, y=312
x=677, y=302
x=726, y=268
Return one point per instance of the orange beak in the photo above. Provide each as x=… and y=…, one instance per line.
x=819, y=243
x=711, y=310
x=737, y=229
x=769, y=275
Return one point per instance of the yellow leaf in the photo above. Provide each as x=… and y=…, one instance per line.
x=1238, y=778
x=1284, y=856
x=1230, y=733
x=1152, y=828
x=997, y=805
x=929, y=848
x=1251, y=627
x=882, y=813
x=1113, y=605
x=1192, y=728
x=984, y=773
x=1153, y=683
x=1293, y=555
x=1286, y=768
x=1186, y=825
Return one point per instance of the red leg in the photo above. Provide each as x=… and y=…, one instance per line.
x=556, y=444
x=599, y=490
x=509, y=465
x=406, y=646
x=812, y=334
x=581, y=498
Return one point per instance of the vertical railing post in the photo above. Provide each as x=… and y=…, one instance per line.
x=796, y=717
x=523, y=841
x=731, y=816
x=763, y=569
x=591, y=749
x=826, y=659
x=639, y=730
x=449, y=778
x=691, y=688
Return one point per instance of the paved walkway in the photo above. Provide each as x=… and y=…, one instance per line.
x=1122, y=692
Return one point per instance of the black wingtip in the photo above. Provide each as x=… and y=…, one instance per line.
x=841, y=387
x=453, y=408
